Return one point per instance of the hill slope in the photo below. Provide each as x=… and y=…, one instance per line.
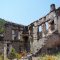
x=2, y=22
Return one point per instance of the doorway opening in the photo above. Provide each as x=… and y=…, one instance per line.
x=26, y=44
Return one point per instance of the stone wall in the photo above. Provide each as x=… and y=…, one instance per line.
x=52, y=19
x=1, y=47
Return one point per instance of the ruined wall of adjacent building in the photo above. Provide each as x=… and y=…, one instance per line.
x=49, y=34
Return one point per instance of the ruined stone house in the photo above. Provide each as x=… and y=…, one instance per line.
x=40, y=35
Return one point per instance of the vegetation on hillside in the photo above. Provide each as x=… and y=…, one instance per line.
x=2, y=22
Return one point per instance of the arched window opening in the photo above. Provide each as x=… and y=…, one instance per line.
x=40, y=32
x=40, y=29
x=52, y=25
x=46, y=25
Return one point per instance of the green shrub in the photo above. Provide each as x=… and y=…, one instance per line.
x=12, y=54
x=18, y=56
x=2, y=30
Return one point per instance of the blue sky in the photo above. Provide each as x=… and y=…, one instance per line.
x=25, y=11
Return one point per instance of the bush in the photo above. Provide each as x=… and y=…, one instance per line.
x=12, y=54
x=18, y=56
x=2, y=30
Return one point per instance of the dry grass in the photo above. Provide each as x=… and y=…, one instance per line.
x=50, y=57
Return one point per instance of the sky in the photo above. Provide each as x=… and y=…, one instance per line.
x=25, y=11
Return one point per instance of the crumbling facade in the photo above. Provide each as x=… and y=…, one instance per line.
x=45, y=32
x=15, y=36
x=38, y=36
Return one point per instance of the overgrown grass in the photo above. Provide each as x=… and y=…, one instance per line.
x=50, y=57
x=1, y=57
